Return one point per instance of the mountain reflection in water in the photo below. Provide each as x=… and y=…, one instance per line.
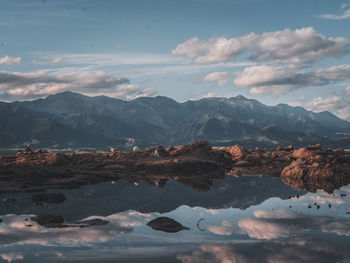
x=246, y=219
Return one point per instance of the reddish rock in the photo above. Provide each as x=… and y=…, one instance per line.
x=303, y=153
x=236, y=152
x=279, y=148
x=198, y=162
x=339, y=150
x=314, y=147
x=289, y=148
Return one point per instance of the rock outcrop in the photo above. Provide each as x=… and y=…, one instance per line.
x=197, y=165
x=40, y=170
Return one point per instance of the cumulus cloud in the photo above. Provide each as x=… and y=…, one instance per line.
x=266, y=79
x=261, y=229
x=282, y=224
x=303, y=45
x=220, y=77
x=213, y=50
x=10, y=60
x=209, y=95
x=338, y=105
x=225, y=229
x=21, y=86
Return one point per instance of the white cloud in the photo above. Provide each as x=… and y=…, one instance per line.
x=225, y=229
x=265, y=79
x=11, y=257
x=10, y=60
x=214, y=50
x=347, y=90
x=15, y=231
x=303, y=45
x=345, y=14
x=55, y=61
x=220, y=77
x=214, y=253
x=260, y=229
x=110, y=59
x=21, y=86
x=338, y=105
x=280, y=213
x=209, y=95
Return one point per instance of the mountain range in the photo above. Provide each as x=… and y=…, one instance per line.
x=72, y=120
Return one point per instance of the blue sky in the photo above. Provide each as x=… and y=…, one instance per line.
x=298, y=52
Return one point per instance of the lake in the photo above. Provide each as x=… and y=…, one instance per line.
x=245, y=219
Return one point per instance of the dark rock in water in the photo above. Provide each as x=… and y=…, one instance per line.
x=49, y=220
x=10, y=199
x=50, y=198
x=92, y=222
x=1, y=220
x=166, y=224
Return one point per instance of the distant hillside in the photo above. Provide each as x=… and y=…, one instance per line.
x=73, y=120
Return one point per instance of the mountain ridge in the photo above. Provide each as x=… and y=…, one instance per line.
x=101, y=121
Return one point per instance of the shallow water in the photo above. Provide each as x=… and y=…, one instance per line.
x=246, y=219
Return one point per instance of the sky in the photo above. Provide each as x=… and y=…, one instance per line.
x=275, y=51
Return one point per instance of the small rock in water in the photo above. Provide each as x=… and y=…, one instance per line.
x=51, y=198
x=166, y=224
x=10, y=199
x=49, y=220
x=93, y=222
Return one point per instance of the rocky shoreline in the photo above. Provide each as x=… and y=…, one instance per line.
x=197, y=165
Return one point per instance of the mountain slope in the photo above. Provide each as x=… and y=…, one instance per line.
x=73, y=119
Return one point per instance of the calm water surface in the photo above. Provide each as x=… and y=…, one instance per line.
x=246, y=219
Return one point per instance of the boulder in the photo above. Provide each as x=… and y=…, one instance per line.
x=339, y=150
x=166, y=224
x=303, y=153
x=302, y=169
x=289, y=148
x=237, y=152
x=314, y=147
x=295, y=169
